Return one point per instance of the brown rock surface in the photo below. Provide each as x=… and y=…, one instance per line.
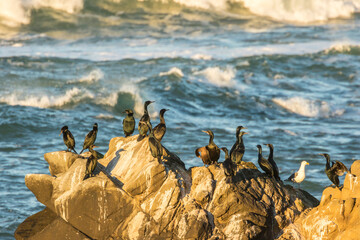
x=337, y=216
x=133, y=196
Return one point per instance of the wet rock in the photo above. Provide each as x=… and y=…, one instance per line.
x=133, y=196
x=337, y=216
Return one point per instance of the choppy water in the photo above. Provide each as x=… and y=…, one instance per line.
x=287, y=70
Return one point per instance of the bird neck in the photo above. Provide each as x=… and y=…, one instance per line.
x=302, y=168
x=162, y=119
x=211, y=140
x=259, y=153
x=271, y=153
x=327, y=162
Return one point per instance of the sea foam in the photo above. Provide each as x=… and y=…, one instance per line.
x=307, y=107
x=47, y=101
x=173, y=71
x=219, y=77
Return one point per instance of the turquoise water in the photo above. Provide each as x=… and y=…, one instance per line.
x=288, y=72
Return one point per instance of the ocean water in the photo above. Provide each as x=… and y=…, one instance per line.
x=287, y=70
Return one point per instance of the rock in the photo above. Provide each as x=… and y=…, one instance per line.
x=133, y=196
x=337, y=216
x=47, y=225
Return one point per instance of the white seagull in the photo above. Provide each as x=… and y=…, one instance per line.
x=299, y=176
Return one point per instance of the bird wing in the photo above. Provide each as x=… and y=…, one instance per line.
x=293, y=176
x=339, y=168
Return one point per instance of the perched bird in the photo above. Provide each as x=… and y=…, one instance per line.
x=90, y=137
x=272, y=162
x=91, y=163
x=214, y=150
x=335, y=170
x=203, y=153
x=160, y=129
x=155, y=146
x=129, y=123
x=68, y=138
x=143, y=127
x=299, y=176
x=264, y=163
x=238, y=149
x=228, y=165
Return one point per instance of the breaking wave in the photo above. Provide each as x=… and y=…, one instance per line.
x=307, y=107
x=219, y=77
x=18, y=12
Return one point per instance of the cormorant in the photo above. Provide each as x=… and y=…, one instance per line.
x=336, y=169
x=228, y=165
x=238, y=149
x=68, y=138
x=155, y=146
x=213, y=149
x=264, y=163
x=129, y=123
x=299, y=176
x=160, y=129
x=203, y=153
x=143, y=127
x=272, y=162
x=90, y=137
x=91, y=163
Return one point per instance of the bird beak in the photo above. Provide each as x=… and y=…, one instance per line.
x=246, y=133
x=205, y=132
x=95, y=146
x=60, y=132
x=307, y=163
x=244, y=128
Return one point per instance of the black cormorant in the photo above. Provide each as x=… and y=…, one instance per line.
x=238, y=149
x=129, y=123
x=90, y=137
x=272, y=162
x=264, y=163
x=91, y=163
x=68, y=138
x=299, y=176
x=143, y=127
x=155, y=146
x=160, y=129
x=213, y=149
x=335, y=170
x=228, y=165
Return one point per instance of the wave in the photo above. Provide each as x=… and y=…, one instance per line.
x=307, y=107
x=73, y=95
x=173, y=71
x=219, y=77
x=18, y=12
x=343, y=48
x=92, y=77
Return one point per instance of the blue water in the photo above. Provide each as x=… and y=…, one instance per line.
x=291, y=78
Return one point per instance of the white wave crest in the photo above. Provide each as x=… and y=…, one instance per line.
x=307, y=107
x=219, y=77
x=93, y=76
x=173, y=71
x=46, y=101
x=201, y=57
x=14, y=13
x=303, y=11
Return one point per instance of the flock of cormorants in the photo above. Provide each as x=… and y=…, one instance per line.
x=209, y=154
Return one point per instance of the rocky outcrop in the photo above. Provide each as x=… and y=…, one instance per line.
x=133, y=196
x=337, y=216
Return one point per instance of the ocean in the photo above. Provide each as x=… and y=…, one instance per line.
x=287, y=70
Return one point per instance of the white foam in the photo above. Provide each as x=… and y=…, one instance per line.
x=303, y=11
x=14, y=13
x=341, y=47
x=201, y=57
x=105, y=116
x=93, y=76
x=307, y=107
x=173, y=71
x=219, y=77
x=46, y=101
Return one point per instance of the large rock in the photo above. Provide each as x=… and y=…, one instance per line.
x=133, y=196
x=337, y=216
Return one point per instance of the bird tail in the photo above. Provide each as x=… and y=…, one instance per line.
x=86, y=176
x=141, y=137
